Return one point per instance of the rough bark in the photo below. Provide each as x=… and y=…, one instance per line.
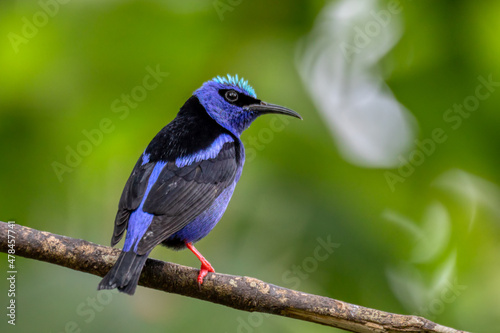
x=239, y=292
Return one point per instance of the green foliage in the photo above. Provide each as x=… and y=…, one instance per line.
x=86, y=85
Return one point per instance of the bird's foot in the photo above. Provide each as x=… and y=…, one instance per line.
x=205, y=265
x=204, y=269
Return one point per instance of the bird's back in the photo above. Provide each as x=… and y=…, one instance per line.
x=191, y=132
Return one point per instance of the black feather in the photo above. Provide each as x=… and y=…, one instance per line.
x=125, y=274
x=131, y=198
x=191, y=131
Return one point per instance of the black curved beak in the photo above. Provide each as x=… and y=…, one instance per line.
x=264, y=108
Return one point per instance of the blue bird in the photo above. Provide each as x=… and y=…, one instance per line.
x=181, y=185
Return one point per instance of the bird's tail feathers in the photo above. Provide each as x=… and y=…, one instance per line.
x=125, y=274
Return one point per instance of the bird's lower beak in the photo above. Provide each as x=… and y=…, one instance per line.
x=264, y=107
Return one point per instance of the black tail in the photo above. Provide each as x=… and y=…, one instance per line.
x=125, y=274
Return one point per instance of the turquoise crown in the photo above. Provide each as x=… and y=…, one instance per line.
x=235, y=81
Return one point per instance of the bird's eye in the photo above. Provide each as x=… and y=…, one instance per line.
x=231, y=96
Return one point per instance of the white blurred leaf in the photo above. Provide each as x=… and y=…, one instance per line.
x=407, y=284
x=431, y=237
x=436, y=234
x=474, y=191
x=403, y=222
x=369, y=125
x=443, y=274
x=410, y=287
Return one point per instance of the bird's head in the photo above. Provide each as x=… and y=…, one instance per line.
x=233, y=104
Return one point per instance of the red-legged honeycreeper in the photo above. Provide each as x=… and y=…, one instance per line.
x=181, y=185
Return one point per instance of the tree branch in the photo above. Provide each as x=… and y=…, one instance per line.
x=239, y=292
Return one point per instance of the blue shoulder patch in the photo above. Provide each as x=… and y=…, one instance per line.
x=235, y=81
x=211, y=152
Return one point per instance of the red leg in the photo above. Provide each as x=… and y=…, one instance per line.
x=205, y=265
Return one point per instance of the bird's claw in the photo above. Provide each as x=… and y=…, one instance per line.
x=204, y=269
x=205, y=265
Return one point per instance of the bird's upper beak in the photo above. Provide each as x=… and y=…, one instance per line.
x=264, y=107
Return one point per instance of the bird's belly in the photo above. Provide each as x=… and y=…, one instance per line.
x=203, y=223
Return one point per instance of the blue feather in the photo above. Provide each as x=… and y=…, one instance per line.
x=139, y=219
x=233, y=80
x=211, y=152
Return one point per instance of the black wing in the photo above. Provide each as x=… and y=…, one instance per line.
x=131, y=198
x=178, y=195
x=181, y=194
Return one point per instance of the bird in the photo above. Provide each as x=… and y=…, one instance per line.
x=182, y=183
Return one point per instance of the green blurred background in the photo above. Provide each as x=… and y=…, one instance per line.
x=427, y=245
